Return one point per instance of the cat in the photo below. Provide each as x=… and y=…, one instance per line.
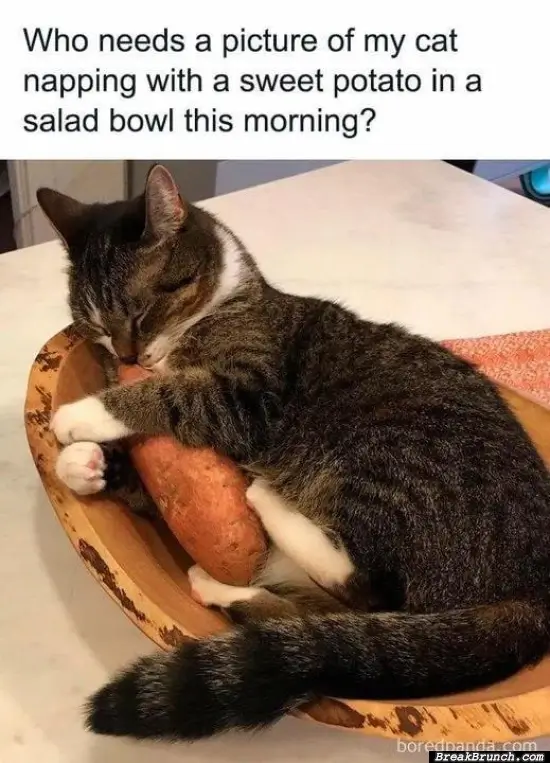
x=408, y=511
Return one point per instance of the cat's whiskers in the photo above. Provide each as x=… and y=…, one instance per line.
x=106, y=342
x=160, y=348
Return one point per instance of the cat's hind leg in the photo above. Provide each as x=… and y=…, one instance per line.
x=281, y=590
x=307, y=544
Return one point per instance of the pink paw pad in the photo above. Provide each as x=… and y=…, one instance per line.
x=94, y=464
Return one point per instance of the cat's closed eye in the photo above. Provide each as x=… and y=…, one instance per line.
x=100, y=329
x=170, y=287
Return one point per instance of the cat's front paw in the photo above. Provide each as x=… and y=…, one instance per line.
x=87, y=420
x=81, y=466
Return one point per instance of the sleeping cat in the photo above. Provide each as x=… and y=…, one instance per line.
x=409, y=513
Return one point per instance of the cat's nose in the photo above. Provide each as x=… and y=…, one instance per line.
x=129, y=360
x=125, y=349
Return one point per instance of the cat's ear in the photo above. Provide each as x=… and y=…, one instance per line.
x=66, y=215
x=165, y=210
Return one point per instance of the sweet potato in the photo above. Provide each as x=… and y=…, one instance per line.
x=201, y=496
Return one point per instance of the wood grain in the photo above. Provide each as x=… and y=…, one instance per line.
x=143, y=569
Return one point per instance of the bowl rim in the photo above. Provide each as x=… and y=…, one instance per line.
x=503, y=719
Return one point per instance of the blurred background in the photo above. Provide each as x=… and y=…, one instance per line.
x=22, y=223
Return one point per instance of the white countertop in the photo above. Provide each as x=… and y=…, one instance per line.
x=420, y=243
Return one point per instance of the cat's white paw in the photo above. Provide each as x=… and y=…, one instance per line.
x=259, y=496
x=204, y=589
x=211, y=593
x=87, y=420
x=81, y=466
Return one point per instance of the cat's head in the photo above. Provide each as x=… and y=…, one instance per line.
x=143, y=271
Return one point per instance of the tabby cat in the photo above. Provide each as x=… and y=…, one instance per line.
x=409, y=513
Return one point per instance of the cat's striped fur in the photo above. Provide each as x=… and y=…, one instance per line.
x=410, y=510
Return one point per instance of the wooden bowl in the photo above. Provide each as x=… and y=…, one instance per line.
x=143, y=569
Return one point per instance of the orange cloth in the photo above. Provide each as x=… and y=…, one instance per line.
x=520, y=361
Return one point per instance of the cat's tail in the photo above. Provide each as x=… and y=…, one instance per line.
x=251, y=676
